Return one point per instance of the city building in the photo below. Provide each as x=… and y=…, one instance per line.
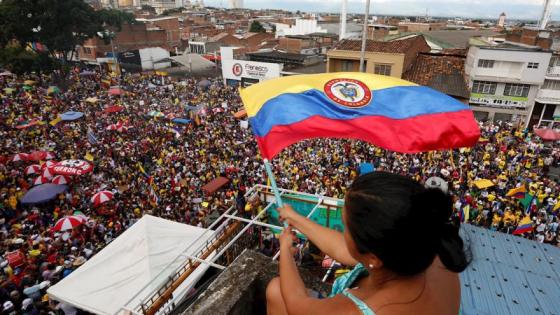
x=236, y=4
x=547, y=106
x=171, y=26
x=502, y=20
x=317, y=43
x=391, y=58
x=131, y=37
x=301, y=27
x=504, y=80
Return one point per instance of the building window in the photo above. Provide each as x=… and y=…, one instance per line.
x=382, y=69
x=347, y=65
x=519, y=90
x=533, y=65
x=485, y=63
x=484, y=87
x=87, y=50
x=551, y=85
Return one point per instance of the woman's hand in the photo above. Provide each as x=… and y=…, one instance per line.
x=287, y=213
x=287, y=238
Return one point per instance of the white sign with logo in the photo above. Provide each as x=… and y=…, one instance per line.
x=238, y=69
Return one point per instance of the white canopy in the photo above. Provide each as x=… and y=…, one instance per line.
x=127, y=270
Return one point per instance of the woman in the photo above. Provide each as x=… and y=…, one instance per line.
x=399, y=237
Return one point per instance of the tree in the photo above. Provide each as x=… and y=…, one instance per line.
x=58, y=25
x=256, y=27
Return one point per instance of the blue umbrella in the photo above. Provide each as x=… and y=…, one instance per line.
x=366, y=168
x=43, y=193
x=181, y=121
x=71, y=116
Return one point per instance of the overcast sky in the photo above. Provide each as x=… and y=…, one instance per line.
x=517, y=9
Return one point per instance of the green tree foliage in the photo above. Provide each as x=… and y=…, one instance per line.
x=256, y=27
x=58, y=25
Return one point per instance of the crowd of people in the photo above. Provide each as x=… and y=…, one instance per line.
x=157, y=166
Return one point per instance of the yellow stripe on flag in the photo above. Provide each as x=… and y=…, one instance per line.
x=55, y=121
x=255, y=96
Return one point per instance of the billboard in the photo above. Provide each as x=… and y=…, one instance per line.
x=249, y=71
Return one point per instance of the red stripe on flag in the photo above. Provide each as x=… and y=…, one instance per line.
x=411, y=135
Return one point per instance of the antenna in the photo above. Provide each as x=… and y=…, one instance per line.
x=546, y=14
x=343, y=18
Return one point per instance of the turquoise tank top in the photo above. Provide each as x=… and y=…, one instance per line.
x=343, y=283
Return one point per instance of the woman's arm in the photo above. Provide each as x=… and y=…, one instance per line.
x=329, y=241
x=293, y=290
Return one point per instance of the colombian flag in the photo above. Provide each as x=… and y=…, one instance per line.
x=391, y=113
x=525, y=225
x=518, y=192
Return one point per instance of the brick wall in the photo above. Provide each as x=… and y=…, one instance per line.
x=419, y=45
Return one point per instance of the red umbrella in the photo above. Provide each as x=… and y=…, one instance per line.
x=40, y=181
x=67, y=223
x=32, y=169
x=60, y=180
x=47, y=173
x=101, y=197
x=37, y=156
x=113, y=109
x=548, y=134
x=48, y=164
x=50, y=156
x=20, y=157
x=116, y=91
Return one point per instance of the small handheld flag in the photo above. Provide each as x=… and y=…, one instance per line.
x=518, y=192
x=524, y=226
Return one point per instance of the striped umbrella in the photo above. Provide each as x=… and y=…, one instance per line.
x=101, y=197
x=50, y=156
x=48, y=164
x=47, y=173
x=19, y=157
x=81, y=216
x=32, y=169
x=60, y=180
x=40, y=181
x=67, y=223
x=37, y=156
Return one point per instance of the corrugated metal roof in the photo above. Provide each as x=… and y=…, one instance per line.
x=509, y=275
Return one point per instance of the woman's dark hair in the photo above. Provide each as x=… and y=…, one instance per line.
x=403, y=223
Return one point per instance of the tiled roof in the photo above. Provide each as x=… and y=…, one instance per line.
x=509, y=275
x=444, y=73
x=396, y=46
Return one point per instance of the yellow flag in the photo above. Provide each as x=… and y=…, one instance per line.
x=88, y=157
x=55, y=121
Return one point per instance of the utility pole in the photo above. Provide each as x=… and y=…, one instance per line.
x=364, y=38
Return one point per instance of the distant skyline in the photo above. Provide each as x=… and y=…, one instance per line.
x=514, y=9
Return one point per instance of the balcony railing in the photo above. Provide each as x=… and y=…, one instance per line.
x=548, y=96
x=553, y=71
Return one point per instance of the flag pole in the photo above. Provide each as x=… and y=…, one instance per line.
x=275, y=190
x=273, y=182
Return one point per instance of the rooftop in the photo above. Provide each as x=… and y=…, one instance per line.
x=444, y=73
x=396, y=46
x=458, y=38
x=515, y=47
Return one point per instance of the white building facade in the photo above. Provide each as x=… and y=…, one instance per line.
x=302, y=27
x=504, y=80
x=547, y=106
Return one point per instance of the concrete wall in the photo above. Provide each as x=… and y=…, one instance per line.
x=335, y=58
